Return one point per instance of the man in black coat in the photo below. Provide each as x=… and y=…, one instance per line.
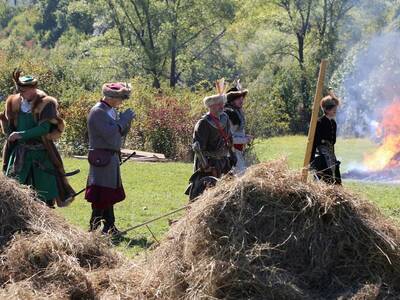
x=323, y=158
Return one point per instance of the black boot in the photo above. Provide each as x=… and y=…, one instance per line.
x=109, y=219
x=109, y=224
x=96, y=219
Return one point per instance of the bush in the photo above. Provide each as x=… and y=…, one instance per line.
x=265, y=111
x=169, y=128
x=164, y=120
x=75, y=139
x=165, y=117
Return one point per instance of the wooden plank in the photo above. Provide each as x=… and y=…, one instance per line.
x=314, y=118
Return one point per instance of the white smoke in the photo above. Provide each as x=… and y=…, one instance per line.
x=369, y=81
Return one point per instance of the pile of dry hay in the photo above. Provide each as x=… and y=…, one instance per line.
x=41, y=255
x=265, y=235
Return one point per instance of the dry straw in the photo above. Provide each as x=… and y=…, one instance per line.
x=41, y=254
x=263, y=236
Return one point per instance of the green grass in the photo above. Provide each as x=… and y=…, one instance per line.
x=350, y=152
x=387, y=197
x=152, y=189
x=156, y=188
x=293, y=148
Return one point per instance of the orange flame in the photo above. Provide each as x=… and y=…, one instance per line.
x=387, y=155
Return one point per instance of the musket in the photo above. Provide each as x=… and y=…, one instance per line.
x=121, y=163
x=153, y=220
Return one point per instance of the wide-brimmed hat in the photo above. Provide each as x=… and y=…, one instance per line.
x=23, y=81
x=214, y=99
x=118, y=90
x=235, y=93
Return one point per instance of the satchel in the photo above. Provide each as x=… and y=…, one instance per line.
x=100, y=157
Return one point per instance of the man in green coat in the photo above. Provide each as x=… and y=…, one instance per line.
x=31, y=123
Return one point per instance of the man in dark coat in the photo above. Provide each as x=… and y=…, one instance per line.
x=106, y=130
x=212, y=142
x=32, y=123
x=234, y=109
x=323, y=158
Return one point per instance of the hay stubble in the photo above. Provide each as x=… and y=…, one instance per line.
x=264, y=235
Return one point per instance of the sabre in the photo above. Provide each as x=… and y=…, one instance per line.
x=121, y=163
x=197, y=150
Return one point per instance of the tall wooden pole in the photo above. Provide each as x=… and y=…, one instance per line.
x=314, y=118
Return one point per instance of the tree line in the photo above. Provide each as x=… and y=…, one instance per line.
x=273, y=46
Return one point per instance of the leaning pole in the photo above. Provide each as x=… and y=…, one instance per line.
x=314, y=118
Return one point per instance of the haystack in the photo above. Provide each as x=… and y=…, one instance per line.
x=41, y=254
x=269, y=236
x=265, y=235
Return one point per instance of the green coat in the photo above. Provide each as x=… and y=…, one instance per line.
x=34, y=160
x=27, y=170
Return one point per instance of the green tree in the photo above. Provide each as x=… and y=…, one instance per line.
x=58, y=16
x=167, y=32
x=53, y=21
x=6, y=14
x=80, y=16
x=285, y=41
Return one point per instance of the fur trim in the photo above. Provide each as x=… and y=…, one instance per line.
x=3, y=123
x=38, y=107
x=13, y=106
x=41, y=101
x=231, y=96
x=118, y=90
x=214, y=99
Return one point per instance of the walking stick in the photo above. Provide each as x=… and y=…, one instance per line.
x=121, y=163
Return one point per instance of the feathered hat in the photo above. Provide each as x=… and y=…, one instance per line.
x=23, y=81
x=236, y=92
x=220, y=97
x=330, y=101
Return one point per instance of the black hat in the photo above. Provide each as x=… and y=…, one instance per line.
x=235, y=93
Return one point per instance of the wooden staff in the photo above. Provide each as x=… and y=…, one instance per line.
x=314, y=118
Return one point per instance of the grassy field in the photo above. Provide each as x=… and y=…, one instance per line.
x=152, y=189
x=156, y=188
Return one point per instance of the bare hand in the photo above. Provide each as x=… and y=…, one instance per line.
x=14, y=137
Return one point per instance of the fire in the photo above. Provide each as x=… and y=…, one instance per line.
x=387, y=156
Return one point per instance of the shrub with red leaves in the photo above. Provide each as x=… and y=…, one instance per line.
x=169, y=128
